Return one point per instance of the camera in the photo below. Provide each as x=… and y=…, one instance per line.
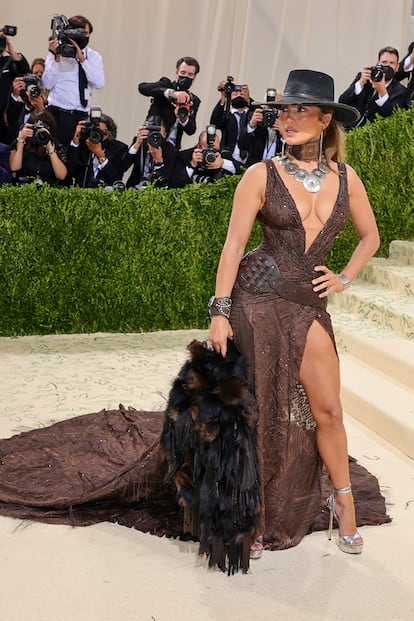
x=269, y=117
x=183, y=110
x=41, y=134
x=154, y=136
x=32, y=87
x=379, y=71
x=230, y=86
x=209, y=153
x=63, y=33
x=91, y=129
x=8, y=31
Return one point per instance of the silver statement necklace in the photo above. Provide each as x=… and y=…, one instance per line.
x=308, y=152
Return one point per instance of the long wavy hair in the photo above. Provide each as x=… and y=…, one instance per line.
x=333, y=145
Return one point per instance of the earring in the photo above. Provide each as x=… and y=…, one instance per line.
x=321, y=147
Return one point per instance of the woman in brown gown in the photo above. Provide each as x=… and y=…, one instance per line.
x=112, y=465
x=273, y=303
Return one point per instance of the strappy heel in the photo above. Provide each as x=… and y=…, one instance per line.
x=256, y=550
x=346, y=543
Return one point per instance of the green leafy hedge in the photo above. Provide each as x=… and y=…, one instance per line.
x=74, y=260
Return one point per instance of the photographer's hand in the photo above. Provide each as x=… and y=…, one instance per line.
x=257, y=117
x=380, y=86
x=10, y=49
x=96, y=149
x=17, y=86
x=78, y=133
x=365, y=76
x=156, y=153
x=37, y=103
x=197, y=157
x=217, y=164
x=142, y=134
x=53, y=46
x=180, y=97
x=79, y=53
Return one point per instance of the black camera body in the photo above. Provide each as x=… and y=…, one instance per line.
x=8, y=31
x=91, y=129
x=269, y=117
x=32, y=87
x=41, y=134
x=154, y=136
x=210, y=152
x=230, y=86
x=379, y=71
x=63, y=33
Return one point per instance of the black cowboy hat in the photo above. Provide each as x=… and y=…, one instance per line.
x=314, y=88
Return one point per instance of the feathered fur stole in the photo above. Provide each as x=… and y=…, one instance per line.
x=209, y=439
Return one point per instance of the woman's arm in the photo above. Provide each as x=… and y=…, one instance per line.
x=58, y=166
x=366, y=228
x=248, y=199
x=364, y=223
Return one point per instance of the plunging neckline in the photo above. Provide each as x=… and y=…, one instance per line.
x=296, y=212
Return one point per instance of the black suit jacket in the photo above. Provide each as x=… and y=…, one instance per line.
x=401, y=74
x=161, y=106
x=201, y=174
x=164, y=175
x=227, y=123
x=255, y=143
x=80, y=164
x=365, y=101
x=9, y=69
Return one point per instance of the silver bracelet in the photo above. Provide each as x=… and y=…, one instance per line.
x=344, y=280
x=219, y=306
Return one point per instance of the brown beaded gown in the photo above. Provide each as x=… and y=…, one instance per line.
x=110, y=465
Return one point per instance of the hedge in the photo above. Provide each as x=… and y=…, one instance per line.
x=77, y=261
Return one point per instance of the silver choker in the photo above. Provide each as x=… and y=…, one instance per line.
x=311, y=181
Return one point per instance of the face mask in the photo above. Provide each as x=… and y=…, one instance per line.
x=239, y=102
x=184, y=83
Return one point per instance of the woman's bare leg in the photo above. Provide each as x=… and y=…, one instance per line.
x=319, y=376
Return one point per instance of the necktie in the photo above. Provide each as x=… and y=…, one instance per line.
x=83, y=85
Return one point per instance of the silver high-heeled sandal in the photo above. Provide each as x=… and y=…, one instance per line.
x=346, y=543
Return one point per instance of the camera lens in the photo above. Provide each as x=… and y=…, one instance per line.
x=155, y=139
x=41, y=136
x=95, y=136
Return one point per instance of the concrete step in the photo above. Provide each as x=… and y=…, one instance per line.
x=389, y=309
x=402, y=252
x=389, y=275
x=385, y=350
x=382, y=405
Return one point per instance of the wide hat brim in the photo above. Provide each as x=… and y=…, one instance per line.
x=313, y=88
x=341, y=112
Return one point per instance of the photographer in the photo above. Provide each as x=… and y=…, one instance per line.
x=12, y=64
x=36, y=154
x=5, y=172
x=26, y=97
x=206, y=162
x=153, y=159
x=230, y=115
x=375, y=89
x=95, y=156
x=262, y=139
x=173, y=101
x=406, y=70
x=72, y=71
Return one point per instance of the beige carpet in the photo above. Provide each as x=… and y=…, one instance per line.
x=110, y=573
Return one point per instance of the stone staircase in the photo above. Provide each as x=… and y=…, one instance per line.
x=374, y=328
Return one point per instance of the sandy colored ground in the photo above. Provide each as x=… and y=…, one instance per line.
x=111, y=573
